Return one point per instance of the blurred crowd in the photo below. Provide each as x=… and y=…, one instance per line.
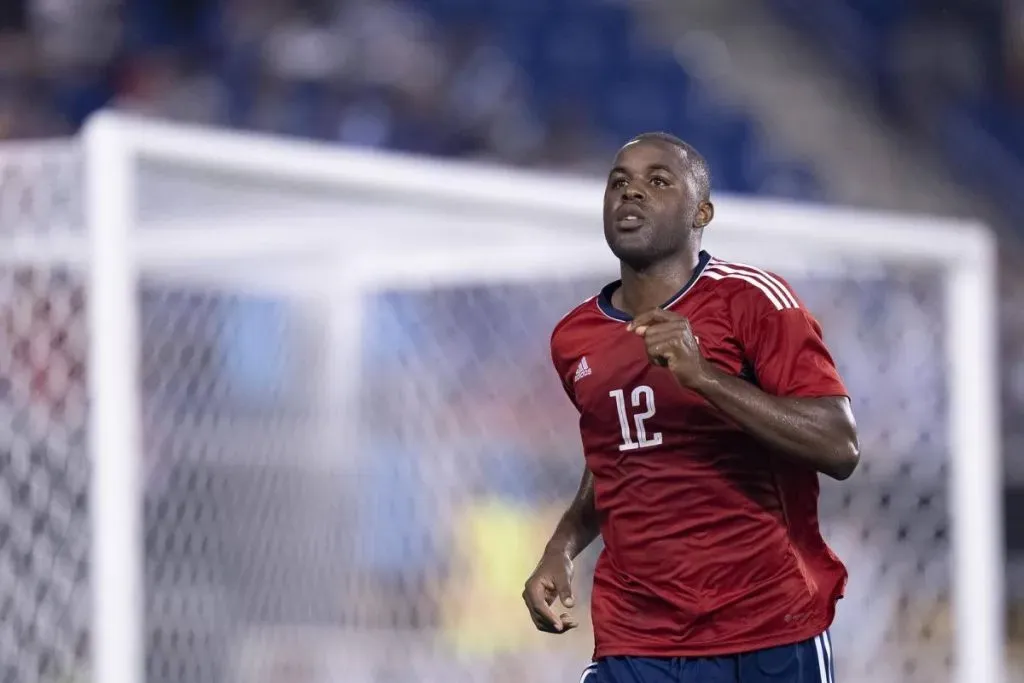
x=951, y=71
x=358, y=72
x=556, y=84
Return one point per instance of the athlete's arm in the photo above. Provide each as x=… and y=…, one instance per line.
x=817, y=431
x=578, y=527
x=552, y=579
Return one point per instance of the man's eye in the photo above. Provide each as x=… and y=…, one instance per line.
x=659, y=182
x=618, y=183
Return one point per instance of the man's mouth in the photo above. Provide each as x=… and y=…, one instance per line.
x=629, y=218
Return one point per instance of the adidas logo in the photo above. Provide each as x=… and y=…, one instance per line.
x=582, y=370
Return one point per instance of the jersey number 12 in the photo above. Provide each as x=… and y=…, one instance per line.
x=642, y=402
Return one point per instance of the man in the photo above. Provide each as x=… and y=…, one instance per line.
x=708, y=405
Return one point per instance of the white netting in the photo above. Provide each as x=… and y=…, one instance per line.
x=404, y=560
x=288, y=539
x=44, y=529
x=239, y=519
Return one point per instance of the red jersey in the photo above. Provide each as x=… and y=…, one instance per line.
x=711, y=540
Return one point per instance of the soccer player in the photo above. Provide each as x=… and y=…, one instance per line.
x=708, y=405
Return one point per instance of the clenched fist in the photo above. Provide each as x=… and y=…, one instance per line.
x=671, y=344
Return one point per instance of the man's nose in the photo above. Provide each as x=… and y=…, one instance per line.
x=632, y=194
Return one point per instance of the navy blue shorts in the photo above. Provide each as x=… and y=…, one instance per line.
x=806, y=662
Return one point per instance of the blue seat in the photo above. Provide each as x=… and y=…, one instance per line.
x=1000, y=119
x=881, y=14
x=631, y=108
x=788, y=180
x=454, y=11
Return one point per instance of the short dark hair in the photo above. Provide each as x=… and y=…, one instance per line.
x=698, y=164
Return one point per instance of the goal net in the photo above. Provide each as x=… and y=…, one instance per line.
x=270, y=412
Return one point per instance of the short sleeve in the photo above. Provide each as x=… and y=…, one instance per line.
x=562, y=371
x=789, y=356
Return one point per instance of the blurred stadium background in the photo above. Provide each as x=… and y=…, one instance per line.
x=409, y=569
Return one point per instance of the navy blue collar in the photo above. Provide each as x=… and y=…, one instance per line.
x=604, y=299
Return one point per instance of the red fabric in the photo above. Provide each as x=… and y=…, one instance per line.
x=712, y=543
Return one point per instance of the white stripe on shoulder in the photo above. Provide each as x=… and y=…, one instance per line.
x=765, y=289
x=773, y=282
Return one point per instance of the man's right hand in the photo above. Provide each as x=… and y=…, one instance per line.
x=550, y=581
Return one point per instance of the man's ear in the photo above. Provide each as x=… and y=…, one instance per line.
x=705, y=212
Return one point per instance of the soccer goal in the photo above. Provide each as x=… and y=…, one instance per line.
x=277, y=411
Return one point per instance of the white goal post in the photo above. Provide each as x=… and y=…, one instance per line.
x=381, y=223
